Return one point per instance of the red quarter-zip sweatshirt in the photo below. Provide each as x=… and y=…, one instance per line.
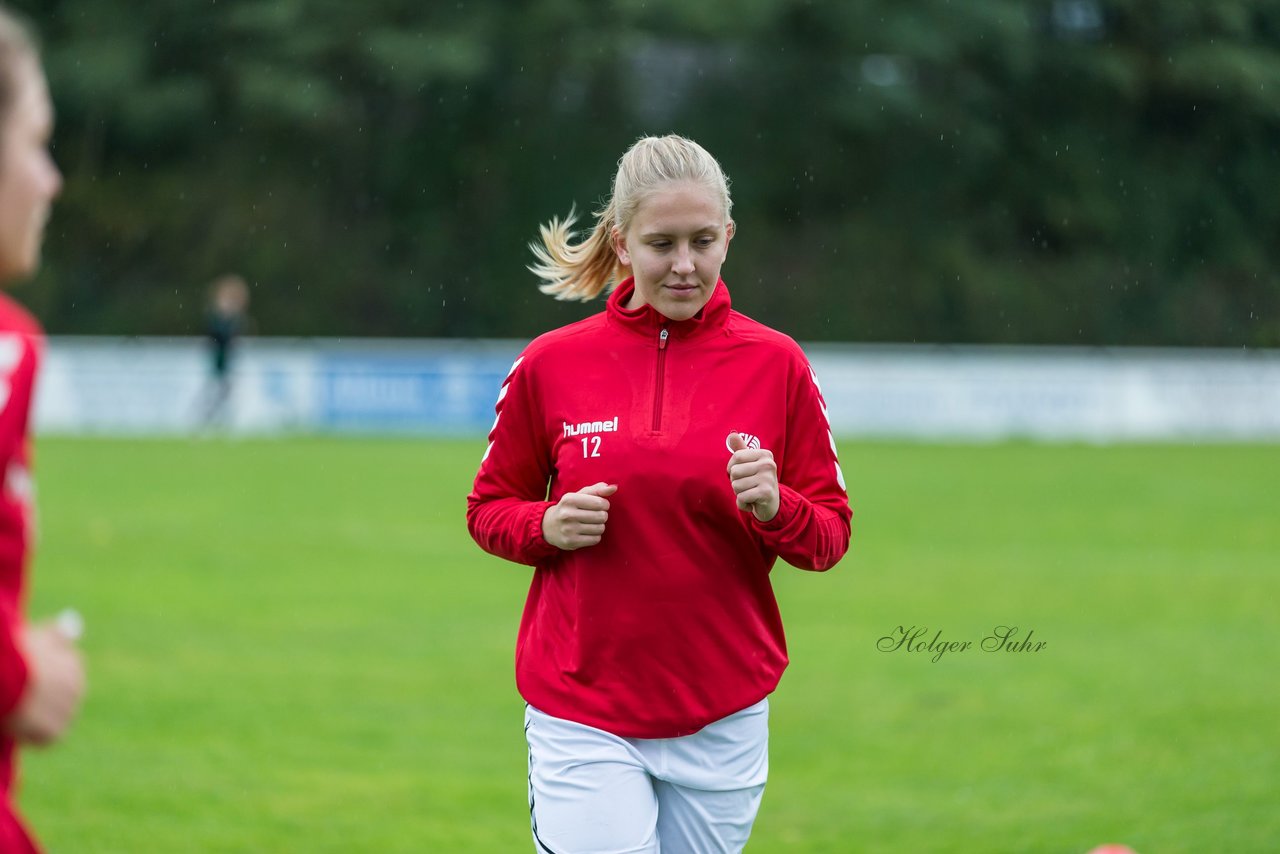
x=670, y=622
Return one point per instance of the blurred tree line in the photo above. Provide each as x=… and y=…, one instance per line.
x=1048, y=171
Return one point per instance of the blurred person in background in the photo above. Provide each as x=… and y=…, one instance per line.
x=653, y=462
x=41, y=673
x=225, y=322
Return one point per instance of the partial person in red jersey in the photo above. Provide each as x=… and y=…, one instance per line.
x=41, y=674
x=652, y=462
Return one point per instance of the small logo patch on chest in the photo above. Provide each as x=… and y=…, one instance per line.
x=752, y=440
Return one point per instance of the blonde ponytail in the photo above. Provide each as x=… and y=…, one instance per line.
x=577, y=271
x=582, y=270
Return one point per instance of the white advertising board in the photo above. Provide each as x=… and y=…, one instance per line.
x=162, y=387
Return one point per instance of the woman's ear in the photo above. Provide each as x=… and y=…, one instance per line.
x=619, y=242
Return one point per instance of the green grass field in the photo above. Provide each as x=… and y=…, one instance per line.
x=294, y=646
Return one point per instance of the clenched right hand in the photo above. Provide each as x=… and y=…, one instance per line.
x=54, y=687
x=578, y=520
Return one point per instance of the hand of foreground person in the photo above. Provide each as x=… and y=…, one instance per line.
x=754, y=476
x=55, y=685
x=578, y=519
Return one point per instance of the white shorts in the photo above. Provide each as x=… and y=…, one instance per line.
x=592, y=791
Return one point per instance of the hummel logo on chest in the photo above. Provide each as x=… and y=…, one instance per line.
x=586, y=427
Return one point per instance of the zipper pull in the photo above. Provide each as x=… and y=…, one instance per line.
x=662, y=339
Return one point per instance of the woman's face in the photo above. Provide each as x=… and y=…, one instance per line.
x=674, y=247
x=29, y=180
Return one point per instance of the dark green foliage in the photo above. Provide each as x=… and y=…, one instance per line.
x=997, y=171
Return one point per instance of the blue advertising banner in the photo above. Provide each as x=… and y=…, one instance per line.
x=408, y=393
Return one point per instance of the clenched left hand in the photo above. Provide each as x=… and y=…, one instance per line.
x=754, y=476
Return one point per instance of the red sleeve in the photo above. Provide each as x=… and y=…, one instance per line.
x=19, y=360
x=13, y=664
x=811, y=530
x=508, y=499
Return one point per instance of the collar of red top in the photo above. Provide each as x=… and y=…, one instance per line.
x=646, y=321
